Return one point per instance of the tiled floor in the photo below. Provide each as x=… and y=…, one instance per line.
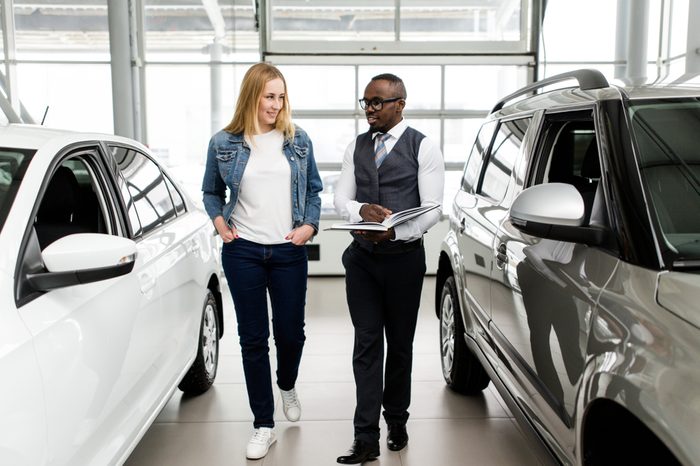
x=445, y=429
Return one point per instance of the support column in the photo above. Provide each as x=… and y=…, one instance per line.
x=216, y=69
x=621, y=36
x=122, y=86
x=638, y=42
x=8, y=37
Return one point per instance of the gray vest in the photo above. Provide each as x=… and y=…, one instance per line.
x=395, y=184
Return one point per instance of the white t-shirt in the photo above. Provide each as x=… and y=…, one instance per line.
x=263, y=213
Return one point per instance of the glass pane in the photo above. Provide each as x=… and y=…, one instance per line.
x=504, y=153
x=329, y=179
x=431, y=128
x=147, y=187
x=185, y=30
x=473, y=169
x=13, y=165
x=179, y=123
x=480, y=87
x=78, y=97
x=550, y=70
x=50, y=30
x=459, y=138
x=666, y=133
x=320, y=87
x=679, y=27
x=445, y=20
x=420, y=95
x=176, y=196
x=452, y=182
x=330, y=137
x=567, y=31
x=655, y=12
x=332, y=20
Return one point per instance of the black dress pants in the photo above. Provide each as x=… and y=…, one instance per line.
x=383, y=294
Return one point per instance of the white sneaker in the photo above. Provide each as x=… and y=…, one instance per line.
x=290, y=405
x=260, y=442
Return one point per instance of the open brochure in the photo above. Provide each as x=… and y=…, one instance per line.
x=391, y=221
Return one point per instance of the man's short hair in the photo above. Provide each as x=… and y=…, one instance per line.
x=396, y=83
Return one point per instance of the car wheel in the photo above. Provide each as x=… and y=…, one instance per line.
x=462, y=370
x=203, y=371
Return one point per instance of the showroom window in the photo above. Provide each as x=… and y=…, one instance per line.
x=456, y=57
x=396, y=26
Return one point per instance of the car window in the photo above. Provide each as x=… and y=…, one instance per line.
x=568, y=153
x=144, y=190
x=72, y=202
x=666, y=135
x=472, y=169
x=503, y=155
x=13, y=164
x=175, y=196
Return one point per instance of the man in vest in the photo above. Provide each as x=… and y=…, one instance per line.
x=390, y=168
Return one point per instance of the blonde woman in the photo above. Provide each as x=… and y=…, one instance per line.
x=267, y=165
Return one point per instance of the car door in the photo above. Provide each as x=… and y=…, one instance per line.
x=544, y=291
x=22, y=413
x=475, y=231
x=91, y=340
x=172, y=236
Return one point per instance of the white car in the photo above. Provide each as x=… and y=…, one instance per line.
x=110, y=296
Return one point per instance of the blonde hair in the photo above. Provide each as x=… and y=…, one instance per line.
x=245, y=117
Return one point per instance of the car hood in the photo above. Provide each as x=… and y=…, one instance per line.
x=680, y=293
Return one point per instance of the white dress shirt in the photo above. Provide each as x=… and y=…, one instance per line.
x=431, y=179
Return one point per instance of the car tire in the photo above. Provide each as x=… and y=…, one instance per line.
x=462, y=370
x=202, y=373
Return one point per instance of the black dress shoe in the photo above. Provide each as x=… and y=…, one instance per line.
x=359, y=453
x=397, y=438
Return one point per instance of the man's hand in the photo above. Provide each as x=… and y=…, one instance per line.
x=373, y=212
x=378, y=236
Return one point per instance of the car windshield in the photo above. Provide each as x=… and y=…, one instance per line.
x=13, y=164
x=667, y=133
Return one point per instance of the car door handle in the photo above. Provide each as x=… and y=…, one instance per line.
x=193, y=247
x=502, y=255
x=462, y=225
x=147, y=282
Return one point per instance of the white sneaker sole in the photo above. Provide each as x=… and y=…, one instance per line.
x=260, y=455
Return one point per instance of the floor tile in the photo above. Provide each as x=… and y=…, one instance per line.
x=445, y=428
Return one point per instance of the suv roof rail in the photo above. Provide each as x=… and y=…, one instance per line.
x=587, y=79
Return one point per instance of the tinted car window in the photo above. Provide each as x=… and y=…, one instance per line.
x=473, y=166
x=504, y=153
x=144, y=191
x=13, y=164
x=666, y=134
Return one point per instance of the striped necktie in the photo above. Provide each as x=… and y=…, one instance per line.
x=380, y=151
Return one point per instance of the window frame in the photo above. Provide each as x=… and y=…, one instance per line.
x=397, y=46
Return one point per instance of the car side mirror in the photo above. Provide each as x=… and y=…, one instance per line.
x=84, y=258
x=554, y=211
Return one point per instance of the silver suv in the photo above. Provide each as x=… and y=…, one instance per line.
x=570, y=276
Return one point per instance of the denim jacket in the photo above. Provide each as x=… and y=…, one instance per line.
x=227, y=157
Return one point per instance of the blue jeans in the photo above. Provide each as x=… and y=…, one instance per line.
x=253, y=270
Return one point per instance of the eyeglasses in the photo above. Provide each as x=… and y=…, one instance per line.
x=376, y=103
